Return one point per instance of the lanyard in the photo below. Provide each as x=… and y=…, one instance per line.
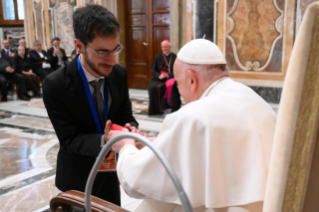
x=90, y=98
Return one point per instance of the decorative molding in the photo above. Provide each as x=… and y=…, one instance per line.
x=253, y=65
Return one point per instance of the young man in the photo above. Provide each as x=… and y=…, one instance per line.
x=6, y=50
x=57, y=54
x=80, y=98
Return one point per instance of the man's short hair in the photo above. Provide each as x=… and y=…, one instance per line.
x=55, y=38
x=94, y=20
x=21, y=40
x=36, y=42
x=21, y=47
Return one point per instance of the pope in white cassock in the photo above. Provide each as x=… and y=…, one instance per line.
x=219, y=143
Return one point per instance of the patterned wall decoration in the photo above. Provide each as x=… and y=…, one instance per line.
x=256, y=37
x=253, y=29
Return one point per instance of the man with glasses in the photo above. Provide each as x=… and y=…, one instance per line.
x=83, y=96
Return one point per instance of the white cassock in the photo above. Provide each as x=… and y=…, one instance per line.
x=219, y=147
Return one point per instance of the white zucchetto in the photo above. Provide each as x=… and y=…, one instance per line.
x=201, y=51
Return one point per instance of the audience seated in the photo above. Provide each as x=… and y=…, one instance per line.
x=163, y=93
x=7, y=50
x=8, y=73
x=24, y=44
x=59, y=58
x=22, y=66
x=40, y=60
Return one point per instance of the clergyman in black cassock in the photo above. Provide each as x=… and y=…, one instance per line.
x=160, y=98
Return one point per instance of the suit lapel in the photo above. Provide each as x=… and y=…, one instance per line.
x=111, y=83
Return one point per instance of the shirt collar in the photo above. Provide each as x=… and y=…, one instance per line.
x=89, y=76
x=7, y=50
x=211, y=87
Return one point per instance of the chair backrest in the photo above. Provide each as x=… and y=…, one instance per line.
x=294, y=168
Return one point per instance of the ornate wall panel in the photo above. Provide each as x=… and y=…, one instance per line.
x=252, y=36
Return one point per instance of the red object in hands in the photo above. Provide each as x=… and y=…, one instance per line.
x=116, y=127
x=119, y=128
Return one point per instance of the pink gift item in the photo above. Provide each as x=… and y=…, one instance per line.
x=169, y=86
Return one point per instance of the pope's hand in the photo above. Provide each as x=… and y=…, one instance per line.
x=121, y=143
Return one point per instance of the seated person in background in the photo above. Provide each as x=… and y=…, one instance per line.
x=24, y=44
x=8, y=73
x=219, y=143
x=6, y=49
x=163, y=93
x=22, y=65
x=57, y=54
x=40, y=60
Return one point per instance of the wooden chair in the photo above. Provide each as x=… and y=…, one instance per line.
x=74, y=201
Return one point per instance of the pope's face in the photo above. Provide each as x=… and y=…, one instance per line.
x=101, y=66
x=181, y=79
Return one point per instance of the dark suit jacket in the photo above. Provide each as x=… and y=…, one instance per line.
x=4, y=52
x=158, y=61
x=21, y=64
x=36, y=60
x=4, y=62
x=69, y=110
x=55, y=60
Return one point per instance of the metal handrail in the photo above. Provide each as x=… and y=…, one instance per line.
x=107, y=147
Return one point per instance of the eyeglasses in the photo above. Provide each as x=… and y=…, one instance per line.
x=103, y=54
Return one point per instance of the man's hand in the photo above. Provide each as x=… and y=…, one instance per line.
x=57, y=51
x=107, y=130
x=162, y=76
x=131, y=128
x=9, y=69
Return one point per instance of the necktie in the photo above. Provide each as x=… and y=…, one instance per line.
x=7, y=52
x=98, y=100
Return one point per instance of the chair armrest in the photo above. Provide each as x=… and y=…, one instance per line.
x=74, y=200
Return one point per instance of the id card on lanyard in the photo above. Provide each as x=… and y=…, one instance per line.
x=90, y=98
